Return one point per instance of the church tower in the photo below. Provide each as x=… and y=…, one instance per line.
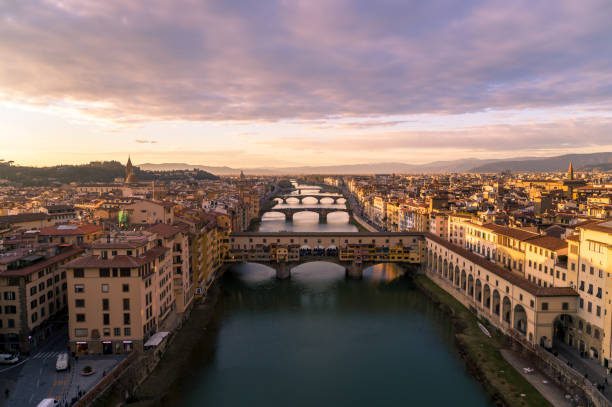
x=570, y=172
x=129, y=172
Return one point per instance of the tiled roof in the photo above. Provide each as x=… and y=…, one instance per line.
x=503, y=273
x=24, y=217
x=66, y=230
x=44, y=263
x=514, y=233
x=93, y=261
x=164, y=230
x=548, y=242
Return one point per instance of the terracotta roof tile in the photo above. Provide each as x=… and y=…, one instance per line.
x=503, y=273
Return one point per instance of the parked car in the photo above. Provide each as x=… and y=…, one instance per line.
x=48, y=403
x=62, y=362
x=8, y=359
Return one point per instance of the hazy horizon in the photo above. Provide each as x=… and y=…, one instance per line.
x=305, y=83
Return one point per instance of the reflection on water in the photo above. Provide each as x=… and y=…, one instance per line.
x=319, y=339
x=383, y=273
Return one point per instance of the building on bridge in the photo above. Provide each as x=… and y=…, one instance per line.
x=354, y=249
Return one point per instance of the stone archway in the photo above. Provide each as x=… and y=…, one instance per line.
x=496, y=302
x=445, y=269
x=520, y=319
x=457, y=276
x=478, y=291
x=486, y=297
x=506, y=310
x=463, y=281
x=471, y=286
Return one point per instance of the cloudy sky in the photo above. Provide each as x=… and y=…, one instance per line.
x=303, y=82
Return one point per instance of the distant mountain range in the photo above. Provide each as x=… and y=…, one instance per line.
x=599, y=161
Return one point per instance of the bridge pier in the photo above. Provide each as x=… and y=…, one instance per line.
x=322, y=217
x=354, y=271
x=283, y=271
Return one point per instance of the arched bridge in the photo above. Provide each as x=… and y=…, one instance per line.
x=318, y=197
x=353, y=250
x=323, y=212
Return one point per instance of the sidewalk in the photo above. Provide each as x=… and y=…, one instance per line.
x=553, y=393
x=596, y=373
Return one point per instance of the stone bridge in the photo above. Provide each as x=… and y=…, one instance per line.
x=318, y=197
x=355, y=251
x=323, y=212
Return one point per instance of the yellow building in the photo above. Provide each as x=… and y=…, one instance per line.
x=33, y=286
x=119, y=293
x=590, y=255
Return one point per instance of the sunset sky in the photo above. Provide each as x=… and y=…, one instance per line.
x=302, y=82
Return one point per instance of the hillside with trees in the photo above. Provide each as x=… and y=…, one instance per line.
x=95, y=171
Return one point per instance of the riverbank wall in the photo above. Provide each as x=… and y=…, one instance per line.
x=473, y=344
x=144, y=378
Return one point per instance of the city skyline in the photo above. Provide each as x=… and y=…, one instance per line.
x=303, y=83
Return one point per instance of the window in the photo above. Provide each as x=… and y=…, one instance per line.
x=79, y=288
x=598, y=292
x=590, y=306
x=544, y=306
x=33, y=290
x=80, y=332
x=10, y=309
x=126, y=318
x=127, y=331
x=105, y=272
x=11, y=323
x=117, y=331
x=581, y=288
x=125, y=288
x=581, y=303
x=590, y=291
x=125, y=272
x=34, y=317
x=598, y=311
x=104, y=304
x=106, y=331
x=126, y=304
x=596, y=333
x=33, y=304
x=106, y=319
x=79, y=273
x=9, y=295
x=79, y=303
x=565, y=306
x=80, y=317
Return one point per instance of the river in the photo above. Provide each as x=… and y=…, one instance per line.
x=319, y=339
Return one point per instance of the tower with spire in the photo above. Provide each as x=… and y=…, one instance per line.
x=570, y=172
x=129, y=172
